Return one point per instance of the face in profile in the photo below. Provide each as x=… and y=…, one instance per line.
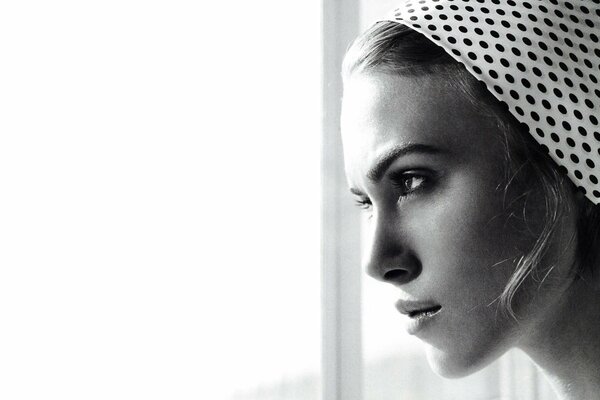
x=429, y=170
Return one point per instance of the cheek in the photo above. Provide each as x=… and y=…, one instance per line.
x=467, y=239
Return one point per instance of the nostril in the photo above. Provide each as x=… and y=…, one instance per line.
x=395, y=270
x=396, y=275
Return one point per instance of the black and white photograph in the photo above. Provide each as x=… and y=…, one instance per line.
x=320, y=200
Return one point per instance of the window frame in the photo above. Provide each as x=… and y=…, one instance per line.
x=342, y=376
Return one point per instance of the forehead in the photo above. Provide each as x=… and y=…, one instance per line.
x=380, y=111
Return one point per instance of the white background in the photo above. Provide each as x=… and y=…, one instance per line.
x=159, y=189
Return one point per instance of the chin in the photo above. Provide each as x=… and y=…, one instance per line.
x=453, y=366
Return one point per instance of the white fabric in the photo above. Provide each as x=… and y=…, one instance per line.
x=540, y=57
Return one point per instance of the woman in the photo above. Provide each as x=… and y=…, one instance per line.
x=471, y=139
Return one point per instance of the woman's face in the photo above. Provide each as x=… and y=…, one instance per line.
x=429, y=169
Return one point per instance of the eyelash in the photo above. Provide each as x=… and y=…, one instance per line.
x=399, y=182
x=364, y=204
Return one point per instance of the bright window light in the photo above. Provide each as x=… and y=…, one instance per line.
x=159, y=218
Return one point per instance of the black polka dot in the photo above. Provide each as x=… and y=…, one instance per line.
x=540, y=58
x=530, y=99
x=589, y=104
x=557, y=92
x=539, y=132
x=568, y=42
x=588, y=63
x=563, y=66
x=531, y=55
x=541, y=87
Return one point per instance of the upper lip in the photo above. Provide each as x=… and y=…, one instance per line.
x=413, y=308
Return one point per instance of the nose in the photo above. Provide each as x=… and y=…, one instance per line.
x=388, y=258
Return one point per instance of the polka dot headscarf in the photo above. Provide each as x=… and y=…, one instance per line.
x=540, y=57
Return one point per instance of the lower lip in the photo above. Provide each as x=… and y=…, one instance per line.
x=420, y=322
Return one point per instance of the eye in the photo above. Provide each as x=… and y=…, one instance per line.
x=409, y=182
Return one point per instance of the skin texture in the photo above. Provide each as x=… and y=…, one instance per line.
x=441, y=226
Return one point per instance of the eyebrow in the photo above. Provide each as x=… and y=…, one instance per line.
x=382, y=164
x=384, y=161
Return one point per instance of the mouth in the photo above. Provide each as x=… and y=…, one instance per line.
x=418, y=309
x=421, y=314
x=424, y=312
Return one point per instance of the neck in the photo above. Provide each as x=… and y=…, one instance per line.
x=566, y=344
